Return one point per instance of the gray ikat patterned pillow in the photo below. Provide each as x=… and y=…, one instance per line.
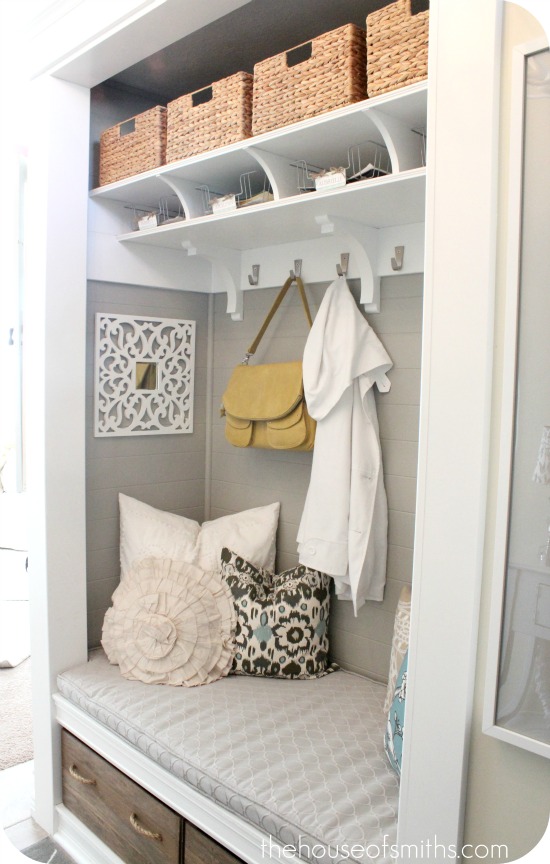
x=282, y=619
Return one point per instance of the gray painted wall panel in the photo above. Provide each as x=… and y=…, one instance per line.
x=250, y=478
x=169, y=471
x=166, y=471
x=398, y=422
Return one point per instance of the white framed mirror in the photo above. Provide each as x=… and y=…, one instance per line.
x=144, y=375
x=517, y=706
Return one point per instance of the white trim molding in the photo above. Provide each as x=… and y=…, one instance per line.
x=509, y=377
x=454, y=423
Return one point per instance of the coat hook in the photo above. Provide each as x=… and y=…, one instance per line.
x=297, y=272
x=255, y=277
x=342, y=267
x=397, y=262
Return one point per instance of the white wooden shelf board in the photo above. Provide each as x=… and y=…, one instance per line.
x=378, y=203
x=323, y=141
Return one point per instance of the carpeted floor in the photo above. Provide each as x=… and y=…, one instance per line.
x=15, y=715
x=48, y=852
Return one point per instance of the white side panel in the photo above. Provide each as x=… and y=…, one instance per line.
x=54, y=367
x=454, y=420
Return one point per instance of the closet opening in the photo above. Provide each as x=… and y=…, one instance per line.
x=197, y=476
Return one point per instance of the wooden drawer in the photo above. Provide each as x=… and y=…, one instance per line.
x=133, y=823
x=201, y=849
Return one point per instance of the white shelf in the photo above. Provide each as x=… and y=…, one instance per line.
x=377, y=203
x=362, y=215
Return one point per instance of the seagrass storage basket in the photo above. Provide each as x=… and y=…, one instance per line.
x=397, y=46
x=317, y=76
x=208, y=118
x=136, y=145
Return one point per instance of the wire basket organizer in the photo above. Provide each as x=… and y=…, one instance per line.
x=325, y=73
x=397, y=45
x=135, y=145
x=252, y=190
x=212, y=117
x=365, y=161
x=167, y=210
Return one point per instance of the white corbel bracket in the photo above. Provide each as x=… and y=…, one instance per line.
x=279, y=170
x=403, y=143
x=362, y=244
x=226, y=275
x=189, y=196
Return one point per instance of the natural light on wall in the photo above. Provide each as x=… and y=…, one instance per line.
x=15, y=18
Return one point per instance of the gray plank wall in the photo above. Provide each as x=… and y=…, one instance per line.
x=249, y=478
x=176, y=473
x=166, y=471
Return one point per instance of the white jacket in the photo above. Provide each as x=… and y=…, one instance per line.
x=344, y=526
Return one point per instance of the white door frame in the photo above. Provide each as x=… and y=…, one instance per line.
x=454, y=417
x=506, y=442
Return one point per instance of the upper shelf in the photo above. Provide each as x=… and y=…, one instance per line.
x=392, y=200
x=322, y=141
x=367, y=219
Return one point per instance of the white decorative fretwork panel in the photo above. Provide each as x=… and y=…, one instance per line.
x=144, y=375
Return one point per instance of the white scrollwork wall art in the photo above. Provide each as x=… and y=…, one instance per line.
x=144, y=375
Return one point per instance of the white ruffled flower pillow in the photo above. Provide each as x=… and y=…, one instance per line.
x=171, y=623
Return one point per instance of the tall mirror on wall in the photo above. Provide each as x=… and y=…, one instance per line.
x=518, y=708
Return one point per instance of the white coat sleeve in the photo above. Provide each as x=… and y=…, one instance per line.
x=341, y=349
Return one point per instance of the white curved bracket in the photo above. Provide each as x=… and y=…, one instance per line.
x=190, y=198
x=226, y=275
x=404, y=145
x=281, y=174
x=362, y=244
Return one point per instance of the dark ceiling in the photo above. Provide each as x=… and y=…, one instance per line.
x=236, y=42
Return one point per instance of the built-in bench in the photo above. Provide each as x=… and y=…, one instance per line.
x=270, y=769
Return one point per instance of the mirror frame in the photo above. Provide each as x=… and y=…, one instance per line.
x=508, y=407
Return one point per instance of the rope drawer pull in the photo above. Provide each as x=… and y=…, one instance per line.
x=137, y=826
x=74, y=773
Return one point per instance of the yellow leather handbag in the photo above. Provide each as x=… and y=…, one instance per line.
x=264, y=405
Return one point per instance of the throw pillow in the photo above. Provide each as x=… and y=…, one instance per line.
x=170, y=623
x=282, y=619
x=400, y=642
x=146, y=532
x=393, y=739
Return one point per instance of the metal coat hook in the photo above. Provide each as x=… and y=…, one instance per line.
x=255, y=277
x=342, y=267
x=397, y=262
x=297, y=272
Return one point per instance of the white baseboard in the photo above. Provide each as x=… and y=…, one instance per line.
x=79, y=842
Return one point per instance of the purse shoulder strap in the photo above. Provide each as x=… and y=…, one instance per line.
x=277, y=302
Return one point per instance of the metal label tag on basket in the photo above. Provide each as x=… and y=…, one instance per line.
x=221, y=205
x=149, y=221
x=331, y=179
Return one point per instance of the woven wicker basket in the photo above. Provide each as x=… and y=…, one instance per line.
x=397, y=47
x=217, y=115
x=292, y=86
x=136, y=145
